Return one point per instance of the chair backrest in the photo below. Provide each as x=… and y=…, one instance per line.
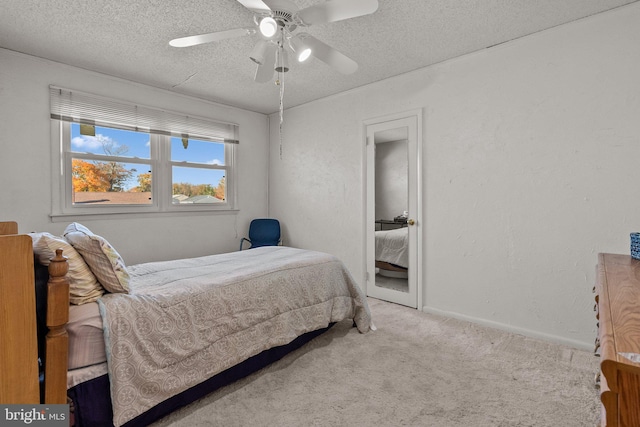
x=264, y=232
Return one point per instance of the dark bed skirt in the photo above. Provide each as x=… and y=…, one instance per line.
x=92, y=399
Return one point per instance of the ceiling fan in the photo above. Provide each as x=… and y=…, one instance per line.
x=275, y=21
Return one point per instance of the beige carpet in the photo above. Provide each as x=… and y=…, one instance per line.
x=415, y=370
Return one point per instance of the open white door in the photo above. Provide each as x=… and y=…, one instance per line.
x=393, y=269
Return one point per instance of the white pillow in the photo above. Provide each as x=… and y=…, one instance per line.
x=83, y=285
x=105, y=262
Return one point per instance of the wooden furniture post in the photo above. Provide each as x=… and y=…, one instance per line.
x=57, y=340
x=19, y=349
x=8, y=227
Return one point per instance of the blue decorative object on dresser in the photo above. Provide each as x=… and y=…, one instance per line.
x=635, y=245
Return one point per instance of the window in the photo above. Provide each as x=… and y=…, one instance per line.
x=198, y=171
x=122, y=158
x=108, y=166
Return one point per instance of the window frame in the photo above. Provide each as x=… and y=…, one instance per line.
x=162, y=181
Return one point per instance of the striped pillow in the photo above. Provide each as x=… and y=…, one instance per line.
x=83, y=285
x=105, y=262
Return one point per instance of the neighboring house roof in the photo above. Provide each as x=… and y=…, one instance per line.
x=131, y=198
x=202, y=199
x=112, y=198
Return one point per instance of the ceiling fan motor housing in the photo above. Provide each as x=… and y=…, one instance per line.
x=282, y=17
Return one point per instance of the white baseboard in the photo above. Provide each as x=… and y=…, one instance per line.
x=509, y=328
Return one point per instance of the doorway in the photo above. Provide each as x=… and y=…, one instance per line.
x=393, y=221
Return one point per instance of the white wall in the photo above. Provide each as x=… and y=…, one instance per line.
x=530, y=154
x=25, y=163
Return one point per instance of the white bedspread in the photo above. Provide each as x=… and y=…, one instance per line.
x=392, y=246
x=187, y=320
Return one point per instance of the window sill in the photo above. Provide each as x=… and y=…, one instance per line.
x=64, y=217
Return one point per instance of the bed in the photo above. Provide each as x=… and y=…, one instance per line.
x=392, y=257
x=163, y=334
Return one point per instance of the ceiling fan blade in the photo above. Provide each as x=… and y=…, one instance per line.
x=211, y=37
x=329, y=55
x=336, y=10
x=287, y=5
x=257, y=5
x=265, y=71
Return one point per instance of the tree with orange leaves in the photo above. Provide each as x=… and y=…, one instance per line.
x=220, y=192
x=144, y=182
x=87, y=176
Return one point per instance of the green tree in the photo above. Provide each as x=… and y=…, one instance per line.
x=191, y=190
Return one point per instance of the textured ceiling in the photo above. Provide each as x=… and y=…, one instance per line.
x=129, y=39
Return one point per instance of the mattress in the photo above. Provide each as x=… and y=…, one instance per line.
x=392, y=246
x=87, y=373
x=86, y=337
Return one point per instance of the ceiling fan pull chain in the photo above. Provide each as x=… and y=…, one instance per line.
x=281, y=80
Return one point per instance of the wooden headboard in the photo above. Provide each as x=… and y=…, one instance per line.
x=8, y=227
x=19, y=377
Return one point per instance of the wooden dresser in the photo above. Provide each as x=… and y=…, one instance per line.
x=618, y=312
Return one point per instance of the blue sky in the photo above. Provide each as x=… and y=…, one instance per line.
x=138, y=146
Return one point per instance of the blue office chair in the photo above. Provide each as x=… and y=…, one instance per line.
x=263, y=232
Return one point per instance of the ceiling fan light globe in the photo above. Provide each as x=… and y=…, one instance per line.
x=304, y=55
x=300, y=48
x=268, y=27
x=258, y=53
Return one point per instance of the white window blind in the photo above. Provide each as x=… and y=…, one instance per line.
x=84, y=108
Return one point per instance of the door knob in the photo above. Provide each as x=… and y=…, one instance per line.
x=411, y=222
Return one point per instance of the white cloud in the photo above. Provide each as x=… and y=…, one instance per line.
x=92, y=143
x=215, y=162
